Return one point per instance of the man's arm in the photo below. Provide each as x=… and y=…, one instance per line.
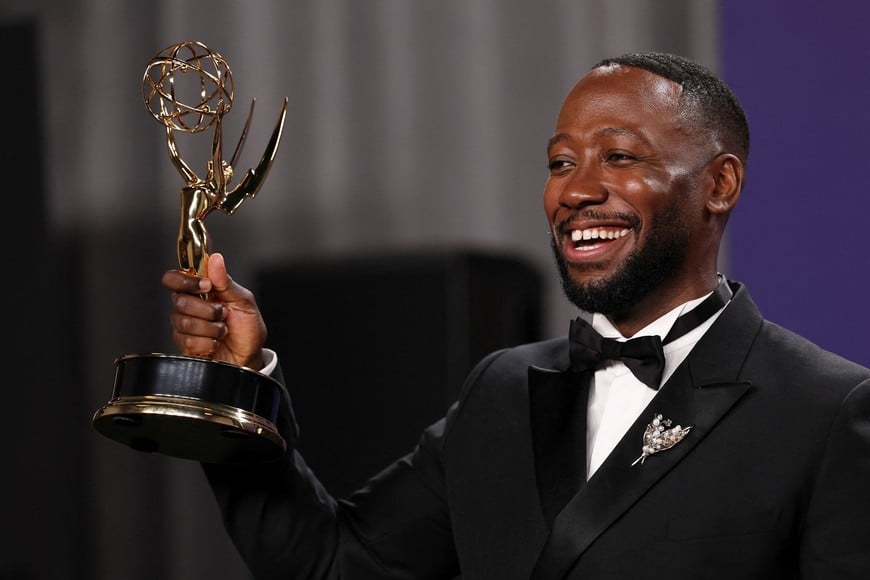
x=285, y=524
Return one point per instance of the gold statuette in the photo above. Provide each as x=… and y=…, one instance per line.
x=195, y=407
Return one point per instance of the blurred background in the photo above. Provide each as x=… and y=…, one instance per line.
x=412, y=163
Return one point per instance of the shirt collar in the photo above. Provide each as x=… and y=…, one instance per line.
x=660, y=326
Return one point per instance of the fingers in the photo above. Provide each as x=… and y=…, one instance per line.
x=190, y=305
x=196, y=345
x=198, y=325
x=182, y=282
x=214, y=316
x=191, y=315
x=217, y=280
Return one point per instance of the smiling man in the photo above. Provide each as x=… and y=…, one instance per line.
x=672, y=432
x=641, y=182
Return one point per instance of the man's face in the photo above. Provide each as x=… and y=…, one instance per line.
x=623, y=196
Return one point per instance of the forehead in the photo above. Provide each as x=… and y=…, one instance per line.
x=621, y=97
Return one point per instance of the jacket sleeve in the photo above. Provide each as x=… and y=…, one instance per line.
x=286, y=525
x=836, y=538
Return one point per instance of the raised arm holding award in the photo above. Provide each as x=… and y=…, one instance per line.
x=191, y=406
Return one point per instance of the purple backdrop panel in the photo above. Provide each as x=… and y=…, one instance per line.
x=800, y=237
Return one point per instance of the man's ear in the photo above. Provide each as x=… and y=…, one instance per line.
x=727, y=173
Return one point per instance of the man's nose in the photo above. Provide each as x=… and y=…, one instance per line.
x=585, y=186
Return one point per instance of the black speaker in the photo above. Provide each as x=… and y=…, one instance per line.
x=375, y=348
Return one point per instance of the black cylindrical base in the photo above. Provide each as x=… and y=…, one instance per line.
x=193, y=408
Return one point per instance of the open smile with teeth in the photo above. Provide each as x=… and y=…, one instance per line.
x=593, y=235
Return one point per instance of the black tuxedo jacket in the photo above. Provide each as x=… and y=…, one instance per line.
x=772, y=481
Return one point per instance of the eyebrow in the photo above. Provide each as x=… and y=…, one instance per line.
x=556, y=139
x=603, y=132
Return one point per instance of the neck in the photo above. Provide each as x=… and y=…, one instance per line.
x=657, y=304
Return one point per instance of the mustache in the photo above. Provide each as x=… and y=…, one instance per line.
x=564, y=225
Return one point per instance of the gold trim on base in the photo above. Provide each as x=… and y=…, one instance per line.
x=190, y=429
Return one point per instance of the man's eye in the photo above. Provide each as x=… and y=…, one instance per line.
x=620, y=157
x=557, y=165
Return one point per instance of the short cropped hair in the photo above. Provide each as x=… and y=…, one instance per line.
x=717, y=108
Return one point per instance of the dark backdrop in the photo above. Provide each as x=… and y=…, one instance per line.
x=43, y=483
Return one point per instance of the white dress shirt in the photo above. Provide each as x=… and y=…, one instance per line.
x=616, y=397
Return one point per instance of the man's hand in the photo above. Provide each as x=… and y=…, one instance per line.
x=227, y=327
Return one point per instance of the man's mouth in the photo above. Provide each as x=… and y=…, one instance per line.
x=592, y=236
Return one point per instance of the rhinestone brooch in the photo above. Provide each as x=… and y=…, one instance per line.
x=659, y=436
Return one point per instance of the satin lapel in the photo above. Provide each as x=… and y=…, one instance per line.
x=557, y=409
x=700, y=393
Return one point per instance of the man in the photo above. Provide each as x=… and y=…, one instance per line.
x=746, y=455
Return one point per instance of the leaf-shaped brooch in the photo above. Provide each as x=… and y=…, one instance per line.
x=659, y=436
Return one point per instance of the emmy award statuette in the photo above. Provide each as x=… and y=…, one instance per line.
x=194, y=407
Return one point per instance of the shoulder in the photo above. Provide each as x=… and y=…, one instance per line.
x=801, y=379
x=501, y=377
x=770, y=354
x=793, y=356
x=516, y=360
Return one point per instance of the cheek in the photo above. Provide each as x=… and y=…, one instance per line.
x=550, y=199
x=647, y=195
x=640, y=189
x=656, y=191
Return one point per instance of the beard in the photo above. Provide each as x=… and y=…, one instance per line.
x=645, y=269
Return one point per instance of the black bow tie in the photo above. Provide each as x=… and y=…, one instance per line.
x=642, y=355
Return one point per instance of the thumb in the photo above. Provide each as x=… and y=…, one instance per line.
x=221, y=282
